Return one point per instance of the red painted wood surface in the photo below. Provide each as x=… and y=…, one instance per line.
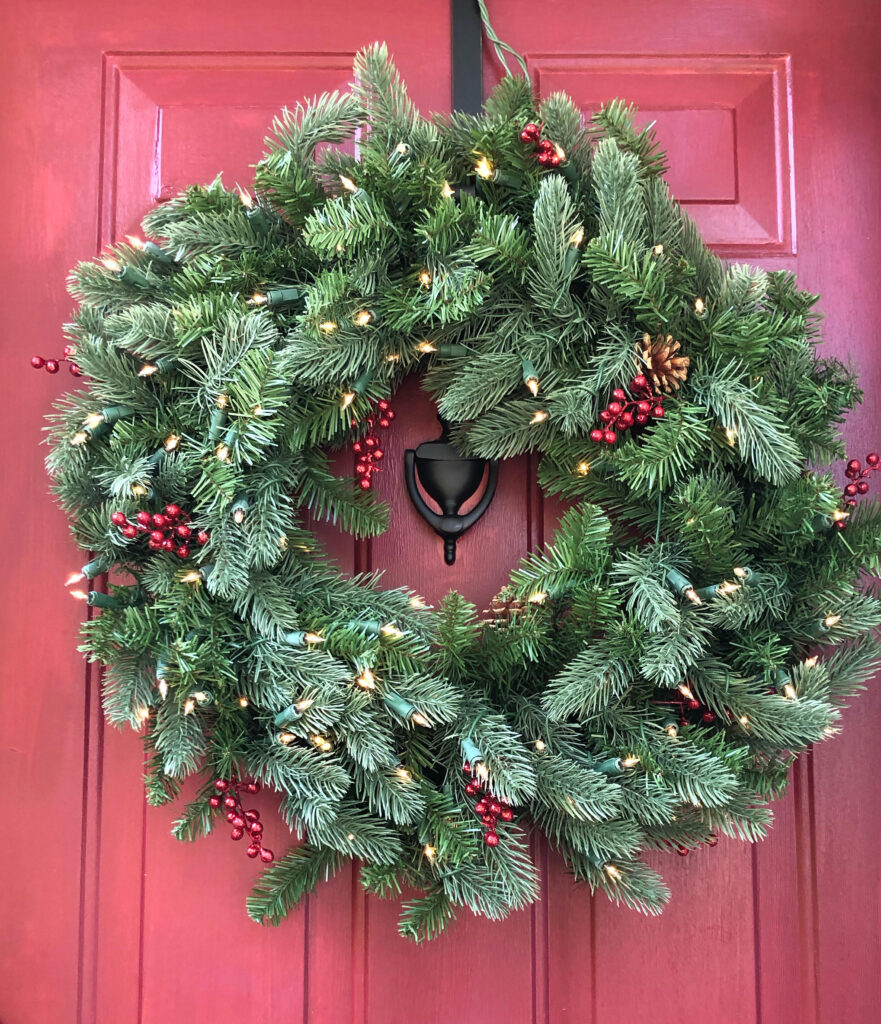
x=769, y=111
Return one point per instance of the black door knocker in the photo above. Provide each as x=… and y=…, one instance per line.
x=451, y=479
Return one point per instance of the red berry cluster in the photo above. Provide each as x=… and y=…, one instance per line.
x=683, y=851
x=858, y=485
x=548, y=153
x=242, y=821
x=694, y=705
x=626, y=410
x=488, y=808
x=168, y=530
x=54, y=365
x=689, y=709
x=368, y=448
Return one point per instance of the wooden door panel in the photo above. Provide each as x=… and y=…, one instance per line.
x=411, y=553
x=175, y=119
x=720, y=120
x=726, y=124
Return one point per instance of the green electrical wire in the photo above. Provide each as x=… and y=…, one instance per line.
x=499, y=46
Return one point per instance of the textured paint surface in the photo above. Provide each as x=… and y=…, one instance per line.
x=769, y=111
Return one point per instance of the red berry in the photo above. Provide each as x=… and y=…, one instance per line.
x=221, y=785
x=144, y=518
x=851, y=502
x=471, y=789
x=554, y=159
x=641, y=418
x=863, y=486
x=157, y=536
x=385, y=421
x=840, y=524
x=253, y=786
x=173, y=511
x=75, y=370
x=229, y=801
x=357, y=447
x=238, y=821
x=682, y=851
x=252, y=815
x=644, y=407
x=168, y=544
x=546, y=146
x=491, y=839
x=370, y=442
x=692, y=705
x=626, y=419
x=253, y=850
x=605, y=416
x=873, y=458
x=495, y=807
x=609, y=436
x=615, y=408
x=183, y=551
x=480, y=807
x=640, y=382
x=658, y=412
x=69, y=351
x=466, y=767
x=231, y=817
x=382, y=404
x=530, y=132
x=364, y=483
x=712, y=840
x=378, y=454
x=267, y=856
x=129, y=532
x=153, y=546
x=237, y=833
x=488, y=819
x=850, y=490
x=202, y=537
x=708, y=717
x=507, y=814
x=362, y=468
x=854, y=466
x=389, y=415
x=159, y=521
x=619, y=393
x=118, y=519
x=214, y=801
x=51, y=366
x=256, y=828
x=596, y=435
x=38, y=362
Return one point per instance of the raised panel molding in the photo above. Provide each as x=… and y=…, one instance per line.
x=726, y=123
x=167, y=116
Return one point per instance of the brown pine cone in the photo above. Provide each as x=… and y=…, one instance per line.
x=657, y=359
x=503, y=607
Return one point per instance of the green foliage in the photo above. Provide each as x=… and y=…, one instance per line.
x=287, y=882
x=699, y=555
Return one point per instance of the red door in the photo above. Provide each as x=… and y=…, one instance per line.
x=769, y=111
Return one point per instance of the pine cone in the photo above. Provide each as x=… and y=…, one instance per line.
x=657, y=359
x=503, y=607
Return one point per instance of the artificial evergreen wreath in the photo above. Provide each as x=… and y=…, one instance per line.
x=643, y=683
